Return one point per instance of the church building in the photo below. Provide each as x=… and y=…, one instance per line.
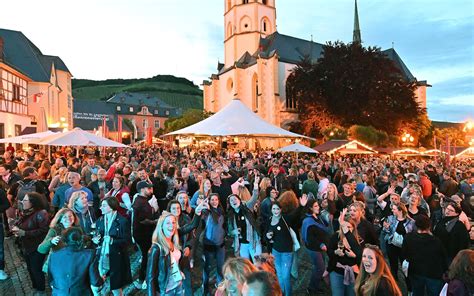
x=258, y=60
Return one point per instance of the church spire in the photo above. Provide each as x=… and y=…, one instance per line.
x=356, y=35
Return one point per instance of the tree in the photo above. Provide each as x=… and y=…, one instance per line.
x=334, y=132
x=188, y=118
x=456, y=136
x=369, y=135
x=351, y=85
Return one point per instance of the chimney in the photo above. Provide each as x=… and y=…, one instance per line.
x=1, y=49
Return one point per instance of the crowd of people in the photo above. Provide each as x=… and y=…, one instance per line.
x=365, y=223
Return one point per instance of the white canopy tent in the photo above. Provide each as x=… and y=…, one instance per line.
x=298, y=148
x=78, y=137
x=28, y=139
x=235, y=119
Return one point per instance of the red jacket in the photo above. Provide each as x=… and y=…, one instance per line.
x=426, y=186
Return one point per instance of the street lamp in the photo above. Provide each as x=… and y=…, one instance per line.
x=408, y=139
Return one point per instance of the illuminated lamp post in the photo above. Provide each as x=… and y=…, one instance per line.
x=408, y=140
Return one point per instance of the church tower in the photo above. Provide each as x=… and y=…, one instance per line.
x=356, y=34
x=245, y=21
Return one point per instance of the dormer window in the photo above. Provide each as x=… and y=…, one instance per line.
x=131, y=109
x=156, y=112
x=119, y=108
x=167, y=112
x=145, y=110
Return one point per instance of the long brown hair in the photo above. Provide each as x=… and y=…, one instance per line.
x=55, y=222
x=366, y=284
x=462, y=268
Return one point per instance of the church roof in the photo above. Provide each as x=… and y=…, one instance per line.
x=21, y=54
x=289, y=49
x=393, y=55
x=293, y=50
x=246, y=60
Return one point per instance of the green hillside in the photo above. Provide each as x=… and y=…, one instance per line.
x=175, y=91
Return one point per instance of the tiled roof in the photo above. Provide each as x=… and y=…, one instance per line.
x=21, y=54
x=88, y=115
x=293, y=50
x=128, y=99
x=289, y=49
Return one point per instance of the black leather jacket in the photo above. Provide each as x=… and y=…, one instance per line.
x=158, y=266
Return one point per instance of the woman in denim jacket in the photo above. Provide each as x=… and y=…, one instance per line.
x=395, y=228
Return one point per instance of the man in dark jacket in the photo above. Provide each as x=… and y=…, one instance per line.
x=426, y=257
x=99, y=188
x=189, y=185
x=143, y=226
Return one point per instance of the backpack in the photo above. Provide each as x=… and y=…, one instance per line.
x=24, y=188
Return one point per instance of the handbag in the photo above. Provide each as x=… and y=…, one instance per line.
x=296, y=243
x=397, y=239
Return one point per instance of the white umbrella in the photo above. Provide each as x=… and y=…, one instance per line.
x=297, y=147
x=27, y=139
x=78, y=137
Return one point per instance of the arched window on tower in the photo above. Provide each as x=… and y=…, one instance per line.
x=265, y=25
x=264, y=2
x=245, y=1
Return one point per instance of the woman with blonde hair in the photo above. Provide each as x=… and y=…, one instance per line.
x=58, y=179
x=264, y=184
x=375, y=277
x=79, y=205
x=235, y=270
x=164, y=274
x=310, y=185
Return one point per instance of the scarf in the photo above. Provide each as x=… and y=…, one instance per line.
x=104, y=261
x=349, y=277
x=450, y=223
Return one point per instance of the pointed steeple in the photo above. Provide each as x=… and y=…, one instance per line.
x=356, y=35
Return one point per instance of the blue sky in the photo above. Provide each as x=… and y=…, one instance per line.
x=100, y=39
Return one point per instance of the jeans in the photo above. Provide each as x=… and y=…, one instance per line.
x=317, y=260
x=2, y=247
x=219, y=255
x=420, y=283
x=34, y=264
x=394, y=257
x=144, y=244
x=337, y=285
x=246, y=251
x=283, y=263
x=178, y=291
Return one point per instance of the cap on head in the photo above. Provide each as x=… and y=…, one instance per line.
x=143, y=184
